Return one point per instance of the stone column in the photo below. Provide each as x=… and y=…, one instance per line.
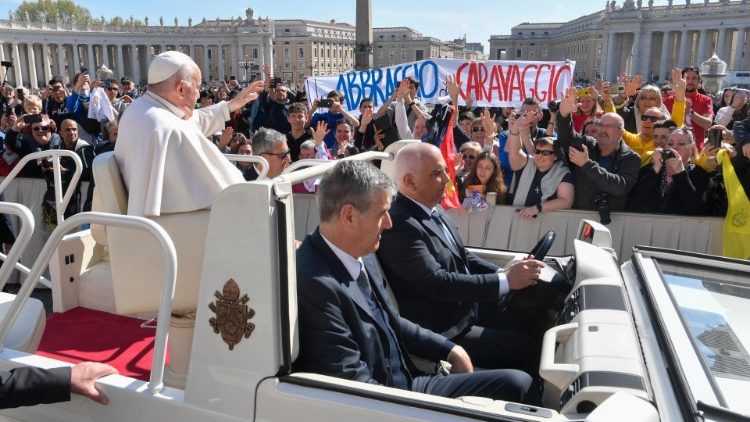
x=701, y=56
x=720, y=44
x=45, y=61
x=222, y=62
x=739, y=48
x=61, y=63
x=206, y=64
x=135, y=64
x=682, y=53
x=76, y=60
x=17, y=65
x=262, y=59
x=268, y=51
x=610, y=73
x=363, y=56
x=91, y=61
x=32, y=65
x=2, y=58
x=646, y=57
x=236, y=56
x=121, y=60
x=665, y=56
x=636, y=52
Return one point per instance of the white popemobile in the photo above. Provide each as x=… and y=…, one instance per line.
x=661, y=337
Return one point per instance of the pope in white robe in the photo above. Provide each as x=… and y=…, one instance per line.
x=168, y=163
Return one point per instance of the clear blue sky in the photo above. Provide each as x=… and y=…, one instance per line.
x=437, y=18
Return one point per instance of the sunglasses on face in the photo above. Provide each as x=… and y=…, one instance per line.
x=281, y=155
x=41, y=128
x=543, y=152
x=469, y=156
x=477, y=129
x=652, y=118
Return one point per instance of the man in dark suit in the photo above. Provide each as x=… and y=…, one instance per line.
x=28, y=386
x=442, y=286
x=348, y=326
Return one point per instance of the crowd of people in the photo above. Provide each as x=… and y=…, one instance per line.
x=621, y=146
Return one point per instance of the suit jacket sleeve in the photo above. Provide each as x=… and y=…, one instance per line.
x=27, y=386
x=404, y=251
x=326, y=336
x=423, y=342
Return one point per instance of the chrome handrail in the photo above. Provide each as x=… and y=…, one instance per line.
x=24, y=235
x=306, y=173
x=61, y=201
x=251, y=159
x=308, y=162
x=156, y=382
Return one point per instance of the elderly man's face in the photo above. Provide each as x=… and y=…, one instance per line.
x=127, y=87
x=611, y=131
x=430, y=178
x=278, y=159
x=190, y=92
x=306, y=153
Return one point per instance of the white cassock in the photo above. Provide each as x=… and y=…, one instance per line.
x=167, y=163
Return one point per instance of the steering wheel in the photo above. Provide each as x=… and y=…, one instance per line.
x=542, y=247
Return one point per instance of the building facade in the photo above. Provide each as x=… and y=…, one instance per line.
x=39, y=50
x=294, y=48
x=309, y=48
x=636, y=39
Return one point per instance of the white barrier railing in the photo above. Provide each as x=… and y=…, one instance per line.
x=61, y=200
x=251, y=159
x=22, y=240
x=156, y=382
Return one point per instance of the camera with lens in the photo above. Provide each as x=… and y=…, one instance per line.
x=6, y=109
x=553, y=106
x=666, y=154
x=601, y=202
x=325, y=102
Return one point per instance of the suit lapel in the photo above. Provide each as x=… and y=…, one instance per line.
x=340, y=273
x=430, y=224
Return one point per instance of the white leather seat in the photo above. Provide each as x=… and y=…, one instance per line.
x=137, y=263
x=26, y=332
x=135, y=258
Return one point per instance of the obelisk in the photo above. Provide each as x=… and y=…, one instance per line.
x=363, y=42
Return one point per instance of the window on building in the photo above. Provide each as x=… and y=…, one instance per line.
x=531, y=53
x=520, y=33
x=255, y=53
x=287, y=53
x=532, y=44
x=419, y=55
x=518, y=53
x=533, y=33
x=599, y=48
x=301, y=53
x=544, y=52
x=286, y=29
x=287, y=65
x=391, y=54
x=403, y=54
x=315, y=52
x=380, y=55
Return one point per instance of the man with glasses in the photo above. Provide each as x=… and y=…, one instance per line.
x=605, y=169
x=272, y=146
x=43, y=137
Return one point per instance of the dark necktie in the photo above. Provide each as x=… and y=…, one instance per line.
x=364, y=283
x=439, y=221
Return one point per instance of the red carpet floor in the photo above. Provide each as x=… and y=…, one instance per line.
x=83, y=334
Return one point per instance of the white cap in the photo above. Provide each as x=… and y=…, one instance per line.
x=165, y=65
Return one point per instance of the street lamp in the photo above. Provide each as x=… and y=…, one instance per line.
x=246, y=64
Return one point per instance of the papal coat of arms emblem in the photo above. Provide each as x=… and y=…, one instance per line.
x=233, y=316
